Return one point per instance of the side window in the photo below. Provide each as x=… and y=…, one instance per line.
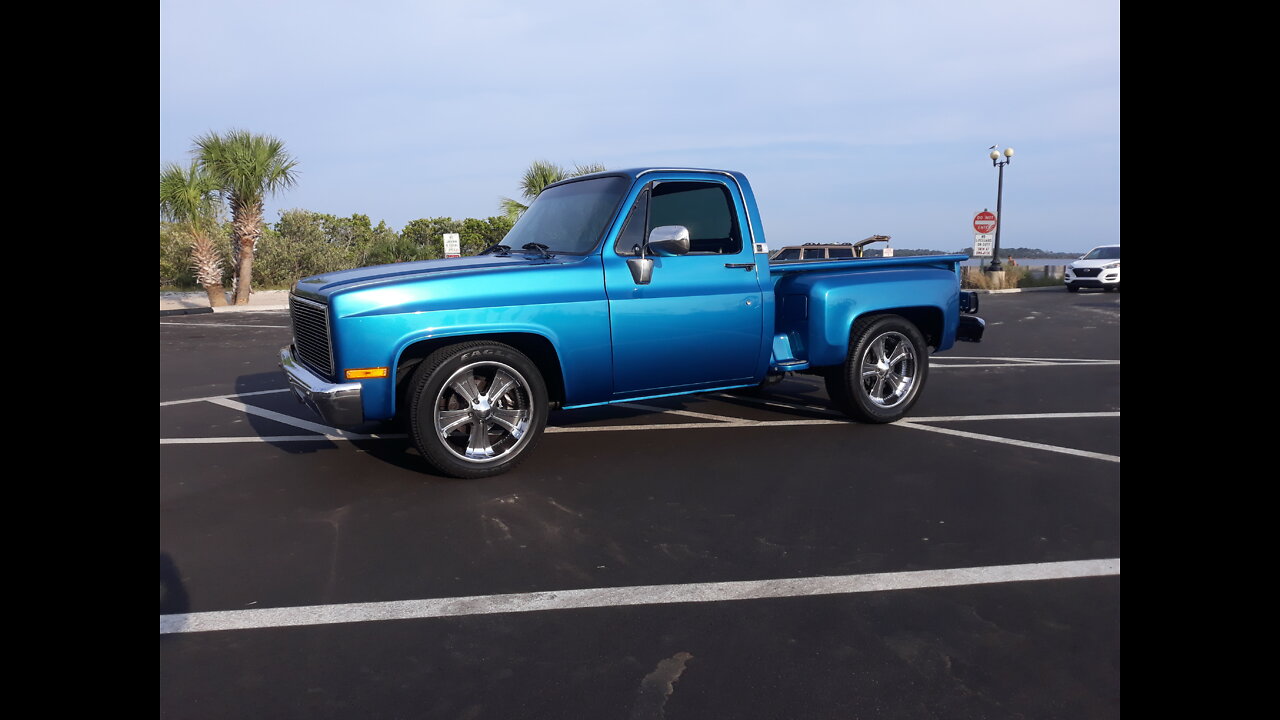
x=633, y=232
x=789, y=254
x=706, y=208
x=815, y=253
x=840, y=252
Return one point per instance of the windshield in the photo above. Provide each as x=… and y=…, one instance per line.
x=1103, y=253
x=569, y=218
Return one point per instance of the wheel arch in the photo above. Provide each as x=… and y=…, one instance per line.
x=538, y=348
x=928, y=319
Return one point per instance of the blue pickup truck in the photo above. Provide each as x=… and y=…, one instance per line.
x=613, y=287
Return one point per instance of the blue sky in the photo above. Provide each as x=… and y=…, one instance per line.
x=850, y=118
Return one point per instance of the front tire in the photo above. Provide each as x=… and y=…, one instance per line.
x=884, y=372
x=478, y=408
x=1072, y=287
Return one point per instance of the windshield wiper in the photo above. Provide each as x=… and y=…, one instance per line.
x=499, y=248
x=543, y=249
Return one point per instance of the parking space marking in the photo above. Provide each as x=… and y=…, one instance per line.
x=1013, y=416
x=631, y=596
x=672, y=411
x=276, y=439
x=775, y=403
x=221, y=397
x=291, y=420
x=1068, y=361
x=1008, y=441
x=1020, y=363
x=729, y=423
x=204, y=324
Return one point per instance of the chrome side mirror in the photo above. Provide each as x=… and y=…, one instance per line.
x=641, y=269
x=669, y=240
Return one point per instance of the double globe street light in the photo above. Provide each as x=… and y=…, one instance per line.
x=997, y=162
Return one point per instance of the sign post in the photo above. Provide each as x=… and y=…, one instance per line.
x=452, y=245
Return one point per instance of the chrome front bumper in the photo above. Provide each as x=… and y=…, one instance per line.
x=339, y=405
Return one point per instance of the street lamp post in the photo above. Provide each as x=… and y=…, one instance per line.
x=997, y=162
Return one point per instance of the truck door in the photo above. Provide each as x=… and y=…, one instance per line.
x=699, y=322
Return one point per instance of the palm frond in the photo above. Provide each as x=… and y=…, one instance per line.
x=587, y=169
x=539, y=175
x=512, y=208
x=246, y=165
x=188, y=196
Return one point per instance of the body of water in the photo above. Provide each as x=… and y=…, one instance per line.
x=1021, y=261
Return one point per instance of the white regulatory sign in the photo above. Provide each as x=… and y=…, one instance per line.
x=452, y=245
x=887, y=252
x=984, y=244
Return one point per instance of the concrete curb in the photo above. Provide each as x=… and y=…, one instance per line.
x=248, y=308
x=198, y=302
x=185, y=311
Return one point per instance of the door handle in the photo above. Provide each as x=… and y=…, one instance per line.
x=744, y=266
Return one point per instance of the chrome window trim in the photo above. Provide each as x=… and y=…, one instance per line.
x=741, y=195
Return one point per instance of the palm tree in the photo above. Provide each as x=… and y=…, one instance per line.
x=190, y=198
x=539, y=175
x=247, y=167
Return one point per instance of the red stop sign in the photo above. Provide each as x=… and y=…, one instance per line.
x=984, y=222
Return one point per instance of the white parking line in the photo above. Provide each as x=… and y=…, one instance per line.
x=671, y=411
x=202, y=324
x=291, y=420
x=1015, y=416
x=775, y=403
x=1026, y=359
x=952, y=366
x=274, y=439
x=631, y=596
x=220, y=397
x=1009, y=441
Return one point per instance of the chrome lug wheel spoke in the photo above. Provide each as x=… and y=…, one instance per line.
x=466, y=388
x=900, y=353
x=478, y=446
x=447, y=420
x=513, y=421
x=502, y=383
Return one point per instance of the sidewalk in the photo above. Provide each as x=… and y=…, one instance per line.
x=260, y=300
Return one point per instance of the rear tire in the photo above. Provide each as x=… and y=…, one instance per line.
x=478, y=408
x=884, y=372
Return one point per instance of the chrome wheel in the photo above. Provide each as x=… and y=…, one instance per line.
x=889, y=368
x=483, y=412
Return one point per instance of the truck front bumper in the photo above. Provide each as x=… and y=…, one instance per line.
x=339, y=405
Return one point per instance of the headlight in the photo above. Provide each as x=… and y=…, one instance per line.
x=1112, y=266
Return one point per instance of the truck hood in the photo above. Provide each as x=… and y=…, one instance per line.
x=321, y=287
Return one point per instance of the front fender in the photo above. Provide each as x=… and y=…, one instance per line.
x=382, y=340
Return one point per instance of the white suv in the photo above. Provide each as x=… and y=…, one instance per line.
x=1098, y=268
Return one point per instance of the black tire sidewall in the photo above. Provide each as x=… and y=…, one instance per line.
x=854, y=397
x=430, y=378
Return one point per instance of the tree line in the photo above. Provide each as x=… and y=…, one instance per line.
x=237, y=170
x=304, y=243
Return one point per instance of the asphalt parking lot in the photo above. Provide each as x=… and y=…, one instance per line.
x=716, y=556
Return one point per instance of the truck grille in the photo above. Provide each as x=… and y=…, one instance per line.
x=311, y=334
x=1087, y=272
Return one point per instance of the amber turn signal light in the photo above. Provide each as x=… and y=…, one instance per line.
x=363, y=373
